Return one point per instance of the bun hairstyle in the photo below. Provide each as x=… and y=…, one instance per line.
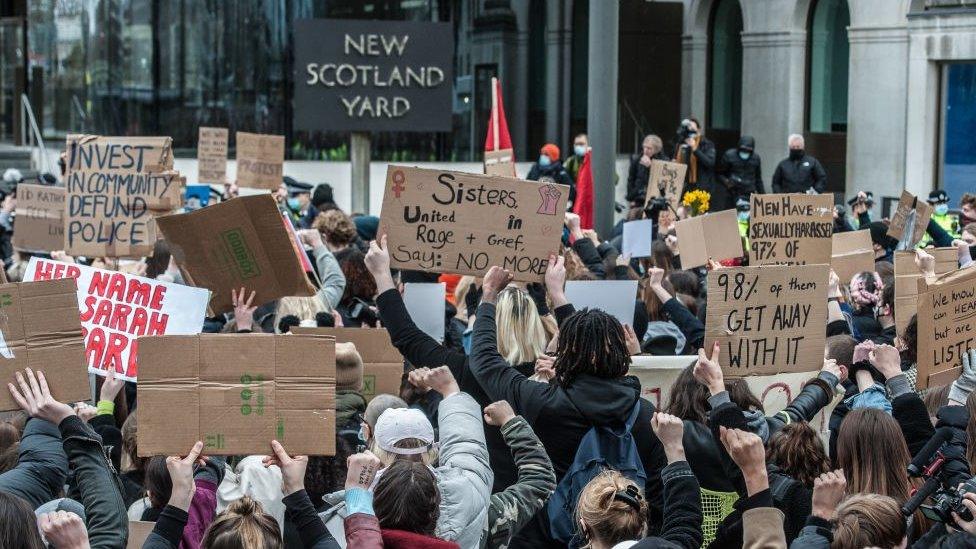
x=611, y=509
x=243, y=525
x=869, y=520
x=866, y=289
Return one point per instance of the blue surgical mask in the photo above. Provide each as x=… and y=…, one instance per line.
x=294, y=204
x=744, y=155
x=743, y=216
x=544, y=160
x=941, y=209
x=580, y=150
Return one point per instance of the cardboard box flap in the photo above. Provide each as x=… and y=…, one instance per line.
x=238, y=243
x=373, y=344
x=237, y=393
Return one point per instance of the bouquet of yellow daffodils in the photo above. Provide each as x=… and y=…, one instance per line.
x=697, y=201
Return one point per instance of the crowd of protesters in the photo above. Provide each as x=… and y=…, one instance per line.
x=524, y=427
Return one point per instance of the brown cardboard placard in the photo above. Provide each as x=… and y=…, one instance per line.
x=382, y=362
x=237, y=393
x=768, y=319
x=114, y=189
x=710, y=236
x=851, y=253
x=790, y=229
x=906, y=281
x=923, y=212
x=237, y=243
x=666, y=176
x=139, y=530
x=945, y=377
x=455, y=222
x=260, y=158
x=212, y=155
x=40, y=328
x=40, y=218
x=946, y=322
x=500, y=163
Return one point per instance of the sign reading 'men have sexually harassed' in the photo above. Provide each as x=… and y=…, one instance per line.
x=455, y=222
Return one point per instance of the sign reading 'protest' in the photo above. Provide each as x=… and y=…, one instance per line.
x=666, y=179
x=373, y=75
x=454, y=222
x=790, y=229
x=768, y=319
x=260, y=159
x=946, y=322
x=212, y=155
x=40, y=218
x=115, y=186
x=117, y=308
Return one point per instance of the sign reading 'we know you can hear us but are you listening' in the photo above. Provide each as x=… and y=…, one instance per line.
x=373, y=75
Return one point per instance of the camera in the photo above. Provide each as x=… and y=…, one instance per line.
x=655, y=205
x=685, y=131
x=949, y=500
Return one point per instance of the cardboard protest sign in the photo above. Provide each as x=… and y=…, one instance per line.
x=425, y=303
x=115, y=186
x=906, y=281
x=382, y=362
x=666, y=179
x=455, y=222
x=790, y=229
x=39, y=329
x=212, y=155
x=657, y=375
x=236, y=393
x=40, y=218
x=851, y=253
x=710, y=236
x=237, y=243
x=946, y=322
x=615, y=297
x=910, y=208
x=501, y=163
x=637, y=238
x=139, y=531
x=769, y=319
x=116, y=308
x=260, y=158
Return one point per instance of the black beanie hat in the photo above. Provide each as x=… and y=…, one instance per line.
x=322, y=194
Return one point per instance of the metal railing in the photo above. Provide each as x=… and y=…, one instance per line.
x=33, y=138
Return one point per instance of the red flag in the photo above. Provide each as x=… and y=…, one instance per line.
x=583, y=206
x=497, y=113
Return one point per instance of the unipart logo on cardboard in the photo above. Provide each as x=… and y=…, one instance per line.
x=242, y=256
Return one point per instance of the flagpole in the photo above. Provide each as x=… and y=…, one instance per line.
x=494, y=112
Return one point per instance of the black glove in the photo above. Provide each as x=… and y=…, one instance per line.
x=538, y=294
x=472, y=298
x=865, y=365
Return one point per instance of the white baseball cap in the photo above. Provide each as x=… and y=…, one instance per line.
x=397, y=424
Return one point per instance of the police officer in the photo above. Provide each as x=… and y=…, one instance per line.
x=800, y=172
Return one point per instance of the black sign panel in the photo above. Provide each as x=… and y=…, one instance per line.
x=373, y=75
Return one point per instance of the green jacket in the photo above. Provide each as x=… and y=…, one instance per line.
x=349, y=405
x=513, y=507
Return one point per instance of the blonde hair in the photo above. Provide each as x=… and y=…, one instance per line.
x=243, y=524
x=869, y=520
x=521, y=336
x=386, y=458
x=305, y=308
x=605, y=517
x=337, y=228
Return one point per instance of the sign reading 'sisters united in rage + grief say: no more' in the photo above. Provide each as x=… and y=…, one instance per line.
x=455, y=222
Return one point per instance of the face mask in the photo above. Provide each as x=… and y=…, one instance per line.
x=941, y=209
x=294, y=204
x=745, y=155
x=580, y=150
x=743, y=216
x=544, y=160
x=796, y=154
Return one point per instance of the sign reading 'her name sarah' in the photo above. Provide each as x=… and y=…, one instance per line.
x=373, y=75
x=455, y=222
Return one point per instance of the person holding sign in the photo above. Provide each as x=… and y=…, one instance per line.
x=640, y=169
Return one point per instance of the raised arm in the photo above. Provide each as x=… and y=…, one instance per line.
x=330, y=274
x=689, y=324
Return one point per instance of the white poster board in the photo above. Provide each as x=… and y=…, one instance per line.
x=425, y=303
x=615, y=297
x=637, y=238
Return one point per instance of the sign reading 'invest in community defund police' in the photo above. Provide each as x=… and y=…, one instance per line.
x=373, y=75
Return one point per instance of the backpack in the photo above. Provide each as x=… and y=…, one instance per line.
x=602, y=448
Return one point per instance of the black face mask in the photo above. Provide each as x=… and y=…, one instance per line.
x=796, y=154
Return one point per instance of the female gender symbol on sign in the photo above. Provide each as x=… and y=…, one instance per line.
x=398, y=180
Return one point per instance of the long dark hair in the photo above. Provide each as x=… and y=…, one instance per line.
x=689, y=399
x=406, y=498
x=159, y=262
x=799, y=452
x=18, y=524
x=591, y=342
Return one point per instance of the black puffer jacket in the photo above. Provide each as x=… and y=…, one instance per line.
x=739, y=177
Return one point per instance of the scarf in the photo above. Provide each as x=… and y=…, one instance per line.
x=692, y=161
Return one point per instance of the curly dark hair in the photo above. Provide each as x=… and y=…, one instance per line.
x=327, y=474
x=337, y=228
x=359, y=282
x=910, y=339
x=591, y=342
x=798, y=451
x=406, y=498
